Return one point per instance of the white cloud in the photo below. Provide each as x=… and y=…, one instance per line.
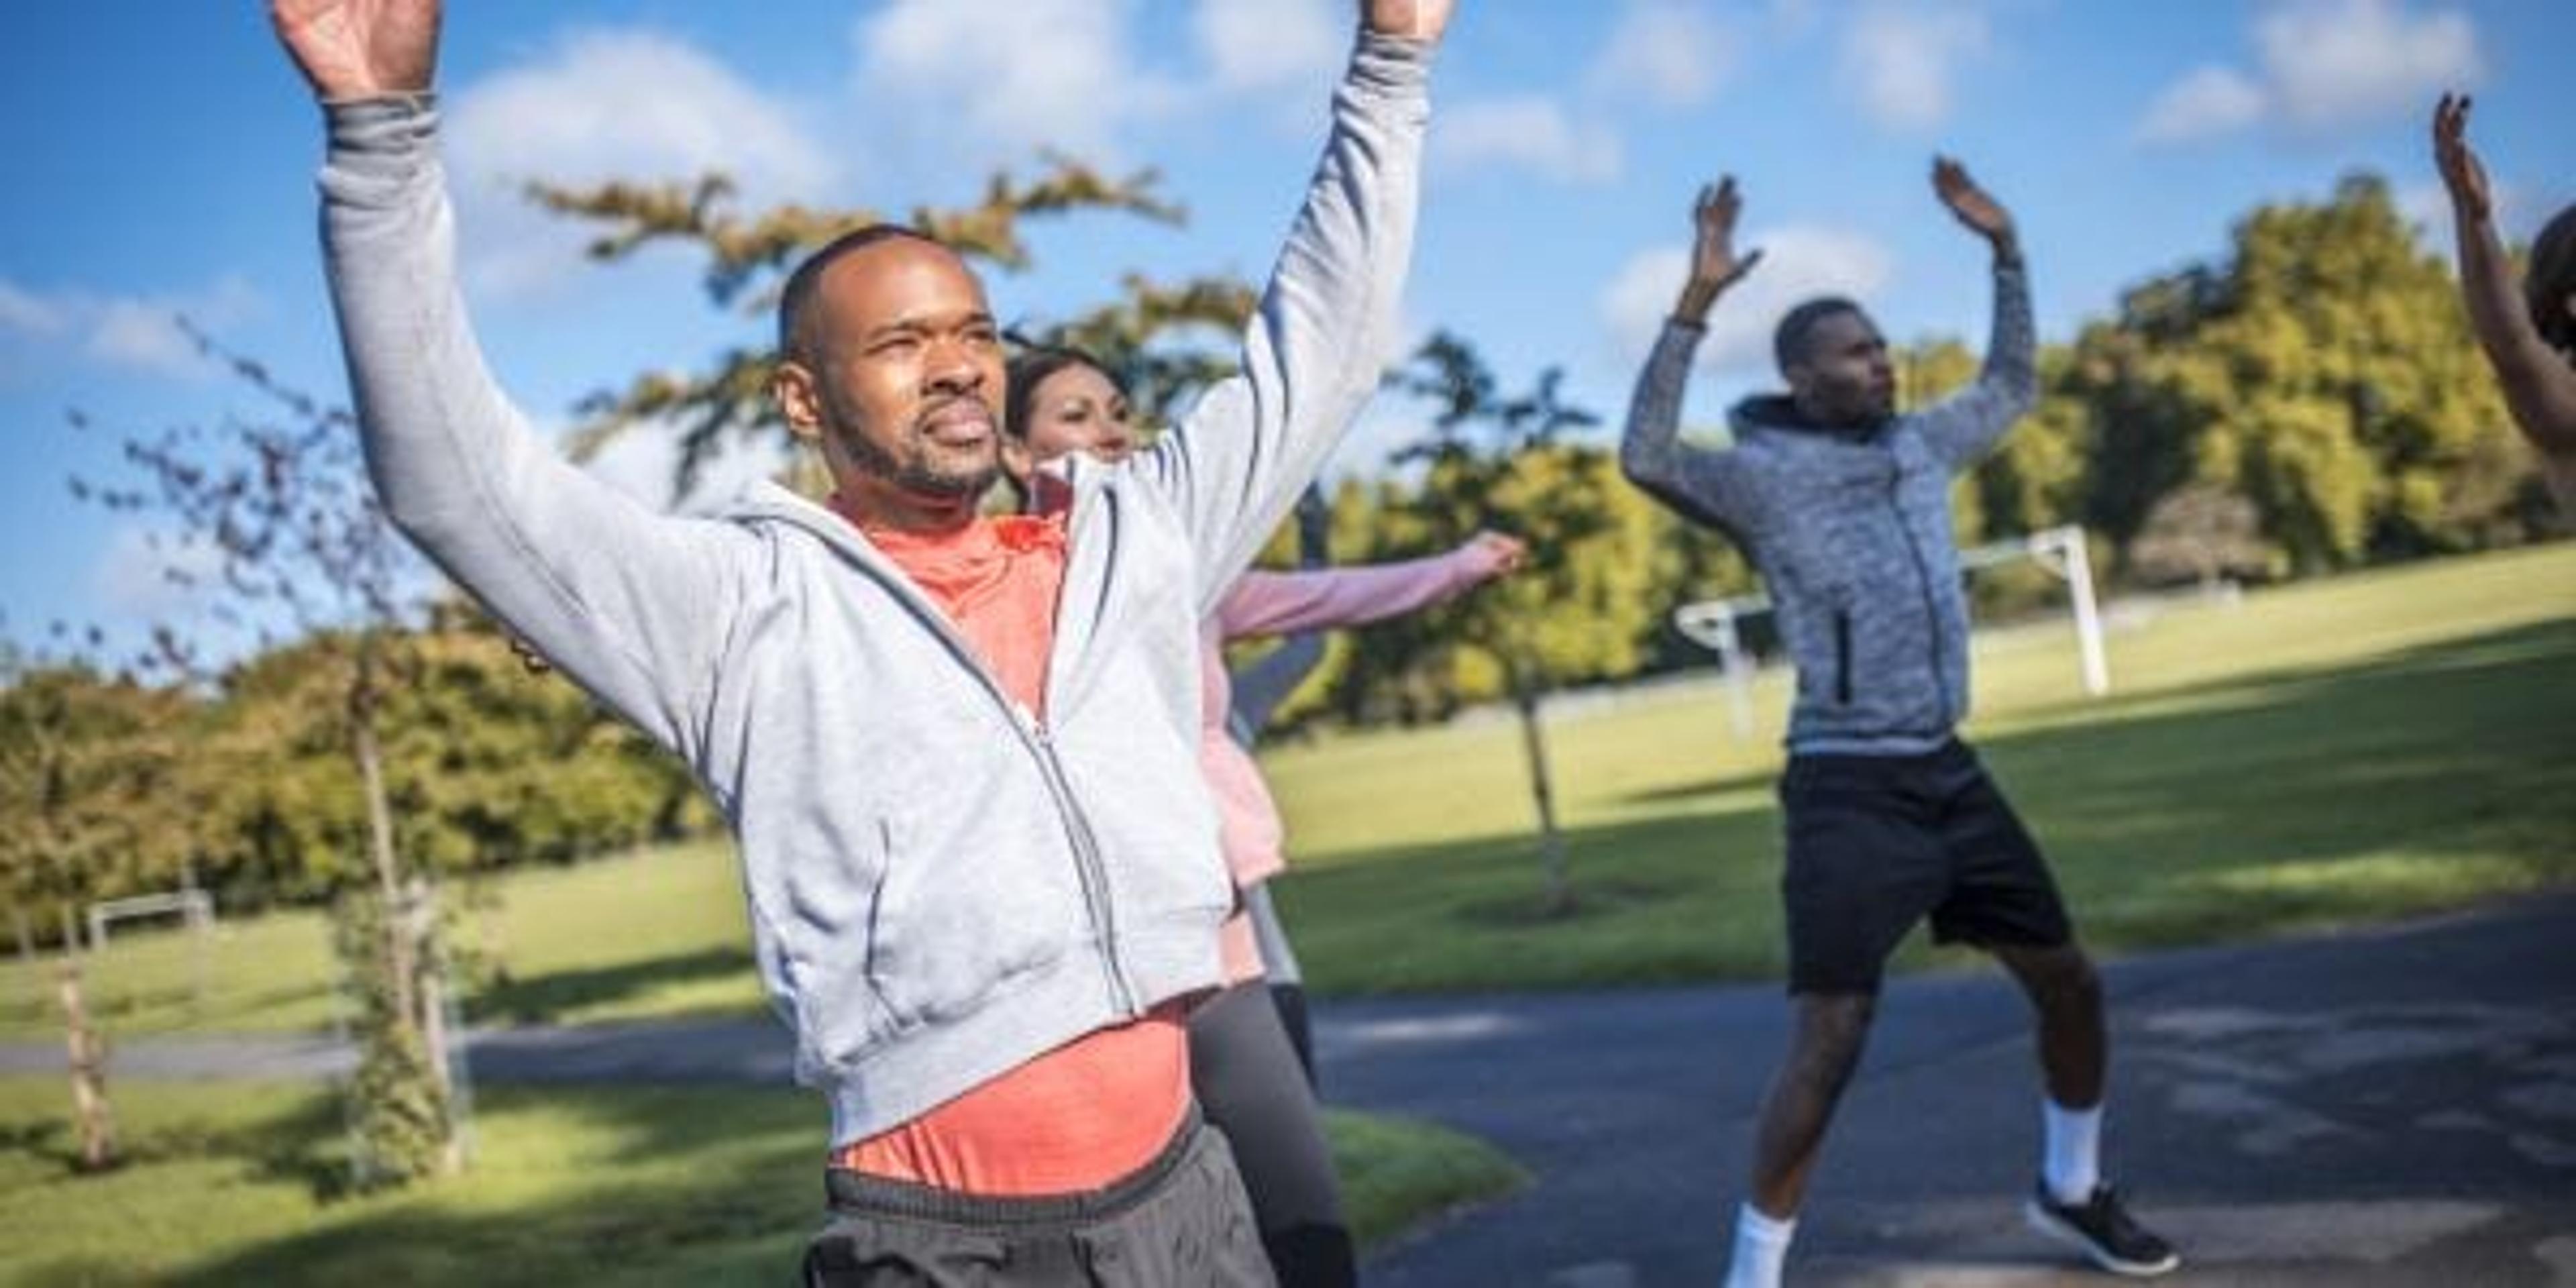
x=2335, y=62
x=133, y=333
x=988, y=82
x=28, y=313
x=2324, y=65
x=1270, y=44
x=1527, y=132
x=1900, y=60
x=1673, y=53
x=2211, y=100
x=1798, y=262
x=603, y=104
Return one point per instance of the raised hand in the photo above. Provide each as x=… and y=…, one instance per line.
x=2461, y=172
x=1411, y=19
x=1497, y=553
x=352, y=49
x=1970, y=204
x=1714, y=264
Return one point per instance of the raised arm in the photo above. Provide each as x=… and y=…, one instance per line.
x=2539, y=382
x=1322, y=333
x=1705, y=486
x=1275, y=603
x=626, y=601
x=1967, y=425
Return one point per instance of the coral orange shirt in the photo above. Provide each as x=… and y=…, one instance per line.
x=1103, y=1105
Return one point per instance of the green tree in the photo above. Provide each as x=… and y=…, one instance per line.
x=1166, y=339
x=284, y=506
x=2325, y=373
x=89, y=770
x=1492, y=460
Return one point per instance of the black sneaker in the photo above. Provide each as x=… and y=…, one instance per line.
x=2102, y=1230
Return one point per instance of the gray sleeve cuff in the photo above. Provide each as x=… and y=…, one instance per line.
x=378, y=139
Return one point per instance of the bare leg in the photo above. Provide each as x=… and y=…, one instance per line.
x=1832, y=1029
x=2066, y=996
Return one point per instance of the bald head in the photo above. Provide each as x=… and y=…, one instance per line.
x=796, y=301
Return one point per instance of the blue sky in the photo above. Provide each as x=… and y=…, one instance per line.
x=161, y=158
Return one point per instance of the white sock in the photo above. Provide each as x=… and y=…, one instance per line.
x=2072, y=1162
x=1761, y=1244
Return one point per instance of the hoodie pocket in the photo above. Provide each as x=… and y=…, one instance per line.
x=956, y=920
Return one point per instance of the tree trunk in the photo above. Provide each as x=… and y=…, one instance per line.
x=399, y=957
x=1551, y=843
x=410, y=918
x=434, y=1039
x=91, y=1114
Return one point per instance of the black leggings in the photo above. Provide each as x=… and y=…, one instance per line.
x=1251, y=1087
x=1291, y=999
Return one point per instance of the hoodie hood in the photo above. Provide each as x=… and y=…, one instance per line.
x=1780, y=412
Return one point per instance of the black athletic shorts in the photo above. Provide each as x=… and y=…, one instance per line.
x=1180, y=1219
x=1876, y=843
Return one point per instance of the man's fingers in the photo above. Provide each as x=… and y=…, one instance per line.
x=1744, y=265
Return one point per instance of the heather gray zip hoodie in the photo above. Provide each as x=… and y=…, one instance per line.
x=1850, y=530
x=941, y=886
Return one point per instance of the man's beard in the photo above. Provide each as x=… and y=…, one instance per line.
x=914, y=471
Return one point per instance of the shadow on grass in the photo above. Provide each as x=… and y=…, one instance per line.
x=541, y=999
x=685, y=1186
x=296, y=1146
x=2281, y=801
x=1759, y=780
x=686, y=1189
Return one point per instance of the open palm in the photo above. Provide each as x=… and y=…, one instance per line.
x=353, y=49
x=1968, y=203
x=2461, y=171
x=1714, y=262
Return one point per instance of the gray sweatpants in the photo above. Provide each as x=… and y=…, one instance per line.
x=1181, y=1219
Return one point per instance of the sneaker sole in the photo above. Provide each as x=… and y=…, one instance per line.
x=2046, y=1222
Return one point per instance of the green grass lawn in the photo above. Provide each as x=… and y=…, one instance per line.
x=239, y=1184
x=2339, y=751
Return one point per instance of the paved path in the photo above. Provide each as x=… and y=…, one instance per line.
x=2393, y=1107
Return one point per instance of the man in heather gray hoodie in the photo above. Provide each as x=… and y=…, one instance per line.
x=1843, y=505
x=958, y=754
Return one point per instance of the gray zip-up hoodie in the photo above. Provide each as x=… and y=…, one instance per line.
x=941, y=886
x=1850, y=530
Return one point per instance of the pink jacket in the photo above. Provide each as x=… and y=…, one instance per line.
x=1281, y=603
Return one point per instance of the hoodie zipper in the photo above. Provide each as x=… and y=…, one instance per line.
x=1089, y=868
x=1089, y=864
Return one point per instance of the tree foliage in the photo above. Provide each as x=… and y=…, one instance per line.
x=747, y=258
x=283, y=504
x=2325, y=372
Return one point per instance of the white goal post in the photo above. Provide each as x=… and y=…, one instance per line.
x=1713, y=624
x=196, y=907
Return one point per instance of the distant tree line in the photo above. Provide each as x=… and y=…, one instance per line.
x=2310, y=402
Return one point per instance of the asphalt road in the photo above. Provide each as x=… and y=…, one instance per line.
x=2395, y=1106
